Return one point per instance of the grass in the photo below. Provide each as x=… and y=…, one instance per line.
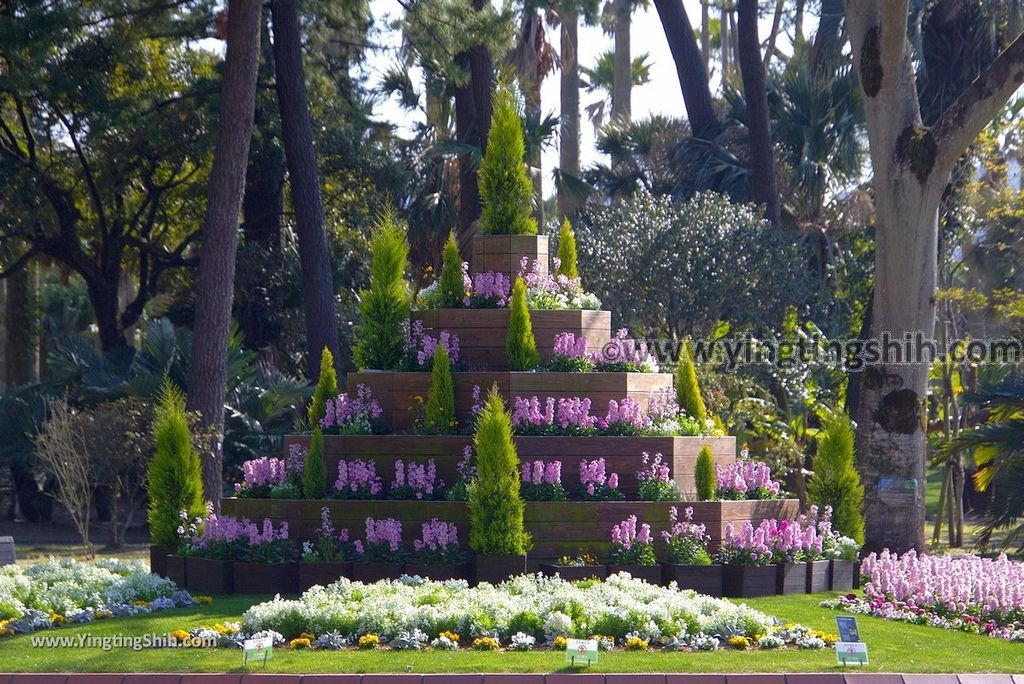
x=893, y=647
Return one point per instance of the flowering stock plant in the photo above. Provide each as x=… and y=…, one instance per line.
x=466, y=467
x=748, y=546
x=357, y=480
x=330, y=546
x=223, y=537
x=773, y=541
x=542, y=481
x=416, y=481
x=421, y=346
x=746, y=479
x=491, y=290
x=438, y=544
x=358, y=415
x=566, y=416
x=570, y=354
x=596, y=484
x=547, y=291
x=626, y=417
x=260, y=476
x=632, y=544
x=625, y=354
x=383, y=541
x=267, y=545
x=655, y=480
x=686, y=541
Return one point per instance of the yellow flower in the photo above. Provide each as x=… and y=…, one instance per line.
x=300, y=643
x=485, y=644
x=3, y=627
x=450, y=636
x=368, y=642
x=203, y=600
x=828, y=637
x=636, y=644
x=102, y=614
x=739, y=642
x=58, y=619
x=559, y=643
x=180, y=636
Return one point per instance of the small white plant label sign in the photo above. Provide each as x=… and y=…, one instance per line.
x=851, y=653
x=257, y=649
x=581, y=651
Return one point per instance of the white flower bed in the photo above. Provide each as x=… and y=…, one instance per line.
x=549, y=607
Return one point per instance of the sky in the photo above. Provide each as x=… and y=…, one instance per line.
x=659, y=96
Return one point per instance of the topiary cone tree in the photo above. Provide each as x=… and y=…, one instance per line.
x=440, y=410
x=520, y=344
x=687, y=388
x=495, y=504
x=175, y=479
x=326, y=388
x=453, y=289
x=314, y=470
x=567, y=251
x=384, y=306
x=836, y=482
x=506, y=189
x=704, y=475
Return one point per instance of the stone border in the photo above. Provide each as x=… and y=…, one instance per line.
x=556, y=678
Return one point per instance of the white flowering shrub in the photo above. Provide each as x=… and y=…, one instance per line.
x=667, y=267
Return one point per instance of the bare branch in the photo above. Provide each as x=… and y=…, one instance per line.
x=19, y=263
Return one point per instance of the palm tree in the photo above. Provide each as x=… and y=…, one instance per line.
x=600, y=79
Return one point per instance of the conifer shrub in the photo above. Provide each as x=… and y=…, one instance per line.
x=440, y=410
x=314, y=470
x=520, y=344
x=687, y=388
x=836, y=482
x=704, y=474
x=175, y=478
x=326, y=388
x=495, y=504
x=567, y=251
x=453, y=289
x=505, y=186
x=384, y=306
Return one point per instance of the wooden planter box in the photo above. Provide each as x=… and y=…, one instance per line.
x=505, y=253
x=648, y=573
x=496, y=568
x=368, y=573
x=792, y=578
x=440, y=573
x=818, y=575
x=844, y=574
x=266, y=578
x=322, y=574
x=158, y=554
x=574, y=572
x=401, y=394
x=209, y=576
x=703, y=579
x=175, y=570
x=749, y=581
x=482, y=332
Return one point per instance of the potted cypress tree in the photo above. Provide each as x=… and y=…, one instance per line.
x=520, y=343
x=174, y=484
x=327, y=558
x=687, y=561
x=497, y=535
x=633, y=551
x=437, y=554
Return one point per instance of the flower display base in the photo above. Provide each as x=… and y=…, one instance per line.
x=648, y=573
x=266, y=578
x=496, y=568
x=703, y=579
x=368, y=573
x=749, y=581
x=574, y=572
x=844, y=574
x=440, y=573
x=174, y=569
x=313, y=574
x=817, y=576
x=792, y=578
x=158, y=554
x=209, y=576
x=505, y=253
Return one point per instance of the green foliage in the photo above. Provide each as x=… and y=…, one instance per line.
x=495, y=505
x=440, y=418
x=314, y=471
x=704, y=475
x=836, y=482
x=505, y=186
x=385, y=305
x=688, y=394
x=175, y=481
x=453, y=289
x=567, y=251
x=326, y=388
x=520, y=344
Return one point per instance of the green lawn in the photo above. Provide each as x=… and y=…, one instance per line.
x=893, y=647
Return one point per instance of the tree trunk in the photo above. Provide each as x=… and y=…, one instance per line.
x=763, y=187
x=693, y=77
x=705, y=33
x=103, y=296
x=207, y=380
x=569, y=107
x=20, y=321
x=622, y=75
x=527, y=58
x=725, y=41
x=317, y=279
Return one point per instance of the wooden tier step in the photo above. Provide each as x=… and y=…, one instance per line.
x=622, y=454
x=558, y=528
x=505, y=253
x=402, y=395
x=482, y=332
